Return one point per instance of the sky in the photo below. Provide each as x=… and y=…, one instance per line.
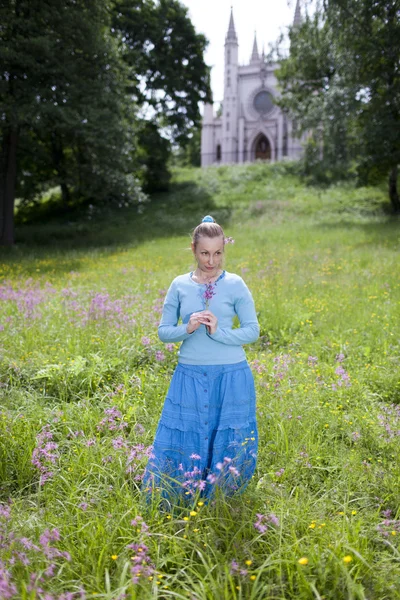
x=267, y=17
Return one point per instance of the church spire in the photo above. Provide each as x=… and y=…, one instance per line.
x=231, y=35
x=255, y=57
x=298, y=19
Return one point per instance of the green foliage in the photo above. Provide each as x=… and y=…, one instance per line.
x=165, y=53
x=153, y=155
x=341, y=81
x=88, y=92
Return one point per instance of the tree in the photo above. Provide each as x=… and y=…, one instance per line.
x=168, y=74
x=342, y=82
x=90, y=90
x=62, y=101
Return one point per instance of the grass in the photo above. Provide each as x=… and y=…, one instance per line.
x=77, y=302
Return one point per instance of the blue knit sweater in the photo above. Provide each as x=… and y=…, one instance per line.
x=232, y=297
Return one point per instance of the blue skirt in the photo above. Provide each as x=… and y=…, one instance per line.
x=207, y=434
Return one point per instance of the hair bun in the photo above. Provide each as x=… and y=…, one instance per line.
x=208, y=219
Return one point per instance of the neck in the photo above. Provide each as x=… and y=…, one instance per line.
x=201, y=276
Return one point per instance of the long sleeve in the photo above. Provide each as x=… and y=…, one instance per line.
x=249, y=329
x=169, y=330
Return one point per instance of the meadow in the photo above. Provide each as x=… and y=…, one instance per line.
x=83, y=377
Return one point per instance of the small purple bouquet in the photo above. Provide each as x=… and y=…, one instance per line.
x=209, y=293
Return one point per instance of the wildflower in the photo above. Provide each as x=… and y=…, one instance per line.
x=209, y=293
x=195, y=456
x=234, y=567
x=114, y=556
x=170, y=347
x=347, y=559
x=193, y=513
x=253, y=577
x=303, y=560
x=248, y=562
x=200, y=504
x=146, y=341
x=44, y=455
x=229, y=240
x=260, y=524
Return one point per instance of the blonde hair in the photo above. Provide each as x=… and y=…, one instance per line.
x=207, y=228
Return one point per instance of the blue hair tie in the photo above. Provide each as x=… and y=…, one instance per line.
x=208, y=219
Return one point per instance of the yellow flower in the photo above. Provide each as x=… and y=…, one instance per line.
x=193, y=513
x=169, y=517
x=347, y=558
x=312, y=526
x=303, y=560
x=248, y=562
x=196, y=530
x=200, y=504
x=186, y=518
x=353, y=512
x=393, y=532
x=253, y=577
x=114, y=556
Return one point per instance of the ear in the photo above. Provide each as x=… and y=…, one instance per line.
x=193, y=247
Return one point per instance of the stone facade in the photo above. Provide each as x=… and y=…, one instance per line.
x=251, y=126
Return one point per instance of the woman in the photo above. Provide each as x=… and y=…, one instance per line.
x=207, y=434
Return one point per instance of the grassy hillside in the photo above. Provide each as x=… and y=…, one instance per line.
x=83, y=377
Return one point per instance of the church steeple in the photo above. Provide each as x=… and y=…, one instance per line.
x=255, y=57
x=231, y=35
x=298, y=19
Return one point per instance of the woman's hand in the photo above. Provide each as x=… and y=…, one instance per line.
x=205, y=317
x=194, y=322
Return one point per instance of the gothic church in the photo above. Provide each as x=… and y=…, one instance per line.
x=251, y=126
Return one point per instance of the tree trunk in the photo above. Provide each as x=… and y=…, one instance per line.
x=393, y=193
x=7, y=186
x=59, y=164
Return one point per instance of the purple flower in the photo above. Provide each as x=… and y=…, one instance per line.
x=263, y=520
x=160, y=356
x=209, y=293
x=146, y=341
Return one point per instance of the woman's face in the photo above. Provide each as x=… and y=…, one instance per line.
x=209, y=253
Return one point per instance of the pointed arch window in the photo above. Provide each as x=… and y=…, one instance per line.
x=219, y=153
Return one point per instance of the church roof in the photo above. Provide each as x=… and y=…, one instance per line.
x=255, y=57
x=231, y=35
